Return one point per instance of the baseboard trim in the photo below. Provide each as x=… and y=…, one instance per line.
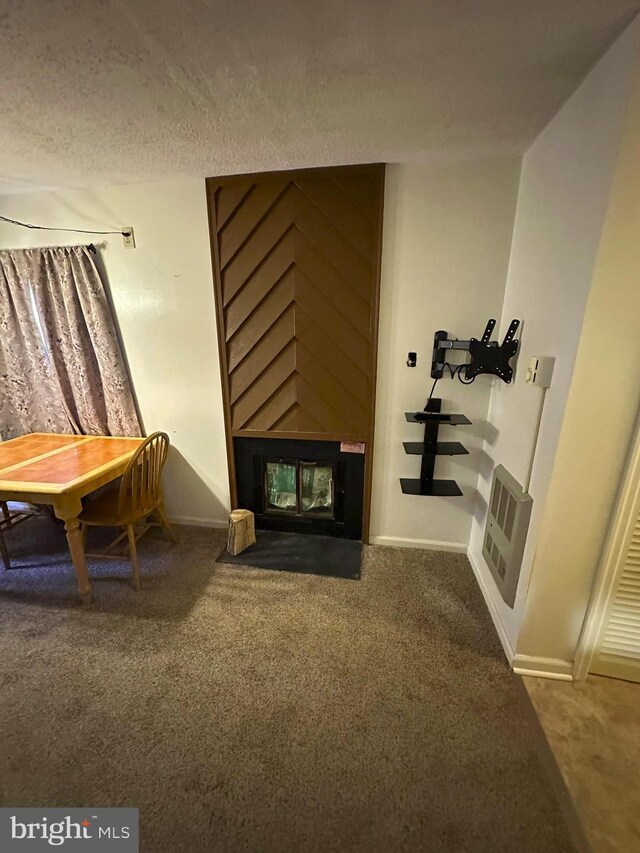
x=560, y=670
x=555, y=668
x=493, y=611
x=426, y=544
x=196, y=521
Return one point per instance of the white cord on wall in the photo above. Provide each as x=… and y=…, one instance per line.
x=535, y=442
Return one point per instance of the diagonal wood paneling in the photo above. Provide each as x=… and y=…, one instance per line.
x=296, y=262
x=279, y=403
x=317, y=342
x=281, y=333
x=269, y=380
x=258, y=285
x=257, y=246
x=250, y=334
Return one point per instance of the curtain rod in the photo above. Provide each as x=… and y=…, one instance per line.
x=90, y=247
x=124, y=231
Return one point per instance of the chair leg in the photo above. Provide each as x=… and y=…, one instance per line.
x=165, y=525
x=133, y=553
x=4, y=552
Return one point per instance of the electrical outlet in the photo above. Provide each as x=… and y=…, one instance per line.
x=540, y=370
x=128, y=239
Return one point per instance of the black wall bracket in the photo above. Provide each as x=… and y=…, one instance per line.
x=487, y=356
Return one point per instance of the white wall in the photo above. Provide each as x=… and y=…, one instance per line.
x=598, y=425
x=163, y=296
x=447, y=232
x=445, y=251
x=563, y=196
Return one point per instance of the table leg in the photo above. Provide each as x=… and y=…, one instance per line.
x=4, y=553
x=74, y=538
x=69, y=514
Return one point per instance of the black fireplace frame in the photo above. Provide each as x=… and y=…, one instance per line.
x=251, y=454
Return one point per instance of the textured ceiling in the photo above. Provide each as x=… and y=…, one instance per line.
x=118, y=91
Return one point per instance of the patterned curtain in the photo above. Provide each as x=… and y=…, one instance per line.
x=61, y=365
x=30, y=398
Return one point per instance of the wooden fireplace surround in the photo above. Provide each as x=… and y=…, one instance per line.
x=296, y=265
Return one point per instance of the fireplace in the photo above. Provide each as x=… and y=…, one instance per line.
x=296, y=262
x=300, y=486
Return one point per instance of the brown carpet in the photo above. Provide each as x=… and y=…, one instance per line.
x=242, y=709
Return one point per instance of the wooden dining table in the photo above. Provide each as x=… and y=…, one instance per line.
x=59, y=470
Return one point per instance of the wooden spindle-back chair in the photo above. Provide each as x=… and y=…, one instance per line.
x=9, y=518
x=139, y=496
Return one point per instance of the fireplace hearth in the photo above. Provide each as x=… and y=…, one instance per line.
x=299, y=486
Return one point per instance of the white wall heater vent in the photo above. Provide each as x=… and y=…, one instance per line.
x=506, y=532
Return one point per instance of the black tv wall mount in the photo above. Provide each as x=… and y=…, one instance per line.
x=487, y=356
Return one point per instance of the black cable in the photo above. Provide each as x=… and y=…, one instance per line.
x=47, y=228
x=454, y=370
x=464, y=381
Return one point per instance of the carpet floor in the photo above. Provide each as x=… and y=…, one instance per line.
x=249, y=710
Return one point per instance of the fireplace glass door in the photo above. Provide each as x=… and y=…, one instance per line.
x=281, y=487
x=299, y=488
x=316, y=489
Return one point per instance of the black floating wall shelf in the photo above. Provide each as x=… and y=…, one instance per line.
x=429, y=448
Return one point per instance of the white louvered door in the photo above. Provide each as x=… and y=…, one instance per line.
x=618, y=647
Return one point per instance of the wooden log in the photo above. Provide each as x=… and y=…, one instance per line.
x=242, y=531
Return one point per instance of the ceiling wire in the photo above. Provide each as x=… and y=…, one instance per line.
x=124, y=232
